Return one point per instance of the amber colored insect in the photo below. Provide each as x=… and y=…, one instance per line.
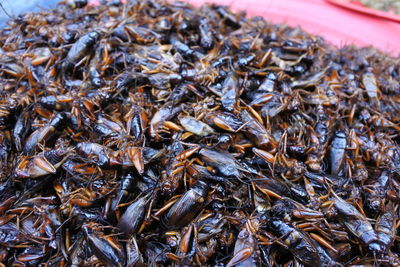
x=156, y=133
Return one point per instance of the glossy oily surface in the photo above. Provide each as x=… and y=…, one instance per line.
x=160, y=134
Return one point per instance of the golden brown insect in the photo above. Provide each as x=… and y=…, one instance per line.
x=246, y=248
x=41, y=164
x=187, y=207
x=153, y=133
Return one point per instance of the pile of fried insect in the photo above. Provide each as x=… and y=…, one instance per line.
x=159, y=134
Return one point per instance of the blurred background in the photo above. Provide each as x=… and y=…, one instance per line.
x=15, y=7
x=339, y=26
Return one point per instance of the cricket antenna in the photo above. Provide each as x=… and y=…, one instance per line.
x=4, y=10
